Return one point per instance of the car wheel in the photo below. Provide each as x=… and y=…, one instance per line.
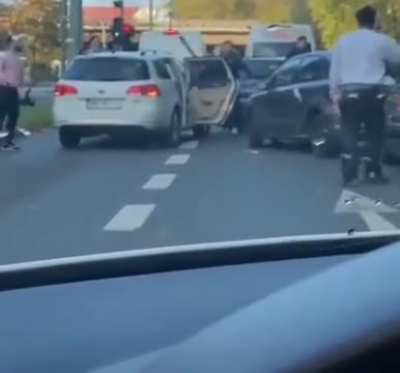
x=68, y=138
x=321, y=144
x=172, y=137
x=255, y=139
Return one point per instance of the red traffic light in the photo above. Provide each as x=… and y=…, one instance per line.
x=128, y=29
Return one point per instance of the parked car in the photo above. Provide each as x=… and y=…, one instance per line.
x=294, y=104
x=277, y=40
x=146, y=91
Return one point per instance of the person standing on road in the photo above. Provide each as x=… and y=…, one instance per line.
x=234, y=61
x=357, y=76
x=302, y=46
x=11, y=78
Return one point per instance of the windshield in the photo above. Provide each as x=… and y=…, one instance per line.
x=107, y=69
x=119, y=142
x=129, y=127
x=268, y=49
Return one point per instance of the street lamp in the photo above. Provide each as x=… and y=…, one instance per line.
x=151, y=10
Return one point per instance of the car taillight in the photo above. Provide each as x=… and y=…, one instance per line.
x=149, y=90
x=61, y=90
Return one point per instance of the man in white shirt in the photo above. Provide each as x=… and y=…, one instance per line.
x=357, y=76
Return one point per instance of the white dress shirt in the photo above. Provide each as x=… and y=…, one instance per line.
x=361, y=58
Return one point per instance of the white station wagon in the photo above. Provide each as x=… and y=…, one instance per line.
x=136, y=92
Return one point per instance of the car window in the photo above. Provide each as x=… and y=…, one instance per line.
x=207, y=73
x=313, y=68
x=287, y=74
x=161, y=69
x=271, y=49
x=172, y=67
x=107, y=69
x=259, y=68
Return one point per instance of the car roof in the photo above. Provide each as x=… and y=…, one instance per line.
x=271, y=59
x=145, y=55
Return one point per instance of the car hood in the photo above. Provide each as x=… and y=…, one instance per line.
x=238, y=342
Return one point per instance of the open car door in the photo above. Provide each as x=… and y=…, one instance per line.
x=212, y=90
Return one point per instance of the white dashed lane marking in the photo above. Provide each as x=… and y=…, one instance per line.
x=159, y=182
x=189, y=145
x=129, y=218
x=177, y=159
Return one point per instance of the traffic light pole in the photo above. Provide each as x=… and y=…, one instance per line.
x=75, y=29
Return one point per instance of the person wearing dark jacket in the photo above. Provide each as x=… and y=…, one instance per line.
x=302, y=46
x=233, y=58
x=234, y=61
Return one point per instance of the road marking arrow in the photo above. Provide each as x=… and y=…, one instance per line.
x=354, y=203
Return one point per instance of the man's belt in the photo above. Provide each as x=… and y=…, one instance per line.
x=357, y=87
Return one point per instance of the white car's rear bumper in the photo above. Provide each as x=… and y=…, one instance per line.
x=144, y=116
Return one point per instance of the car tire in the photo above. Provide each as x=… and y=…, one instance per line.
x=172, y=138
x=69, y=139
x=255, y=140
x=201, y=131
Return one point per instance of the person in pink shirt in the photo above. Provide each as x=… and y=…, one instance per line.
x=11, y=78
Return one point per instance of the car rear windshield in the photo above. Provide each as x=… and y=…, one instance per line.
x=108, y=69
x=261, y=69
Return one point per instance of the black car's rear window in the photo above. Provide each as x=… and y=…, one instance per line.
x=107, y=69
x=261, y=69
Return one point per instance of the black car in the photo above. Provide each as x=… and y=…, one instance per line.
x=295, y=104
x=257, y=70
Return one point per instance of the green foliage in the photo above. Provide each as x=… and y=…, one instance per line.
x=263, y=10
x=336, y=17
x=37, y=19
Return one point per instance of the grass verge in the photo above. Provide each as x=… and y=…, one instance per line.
x=36, y=118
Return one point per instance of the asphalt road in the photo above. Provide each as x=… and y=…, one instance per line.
x=107, y=196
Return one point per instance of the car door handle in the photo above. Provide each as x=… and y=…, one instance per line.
x=297, y=94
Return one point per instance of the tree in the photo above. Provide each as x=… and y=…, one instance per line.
x=263, y=10
x=37, y=19
x=245, y=9
x=336, y=17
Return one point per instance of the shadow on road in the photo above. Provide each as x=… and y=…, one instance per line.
x=139, y=142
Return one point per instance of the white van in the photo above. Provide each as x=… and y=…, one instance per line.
x=276, y=41
x=180, y=45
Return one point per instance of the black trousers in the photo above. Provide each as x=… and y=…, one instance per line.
x=9, y=109
x=362, y=106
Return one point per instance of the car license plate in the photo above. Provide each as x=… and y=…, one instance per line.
x=103, y=104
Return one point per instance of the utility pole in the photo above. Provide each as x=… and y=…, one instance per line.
x=151, y=11
x=64, y=32
x=75, y=31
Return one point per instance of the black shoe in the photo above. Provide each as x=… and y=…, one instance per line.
x=353, y=183
x=10, y=147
